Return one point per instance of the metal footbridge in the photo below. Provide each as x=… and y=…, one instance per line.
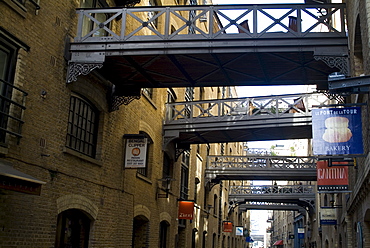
x=253, y=167
x=300, y=195
x=242, y=119
x=209, y=45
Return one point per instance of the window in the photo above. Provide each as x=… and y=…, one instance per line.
x=11, y=97
x=163, y=233
x=7, y=63
x=73, y=229
x=82, y=126
x=88, y=24
x=184, y=187
x=167, y=169
x=215, y=203
x=145, y=171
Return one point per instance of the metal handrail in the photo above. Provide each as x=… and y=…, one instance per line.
x=260, y=162
x=248, y=108
x=271, y=190
x=212, y=22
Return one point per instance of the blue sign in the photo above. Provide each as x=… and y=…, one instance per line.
x=337, y=131
x=249, y=240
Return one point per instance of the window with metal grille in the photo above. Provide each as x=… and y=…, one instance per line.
x=12, y=98
x=184, y=187
x=82, y=126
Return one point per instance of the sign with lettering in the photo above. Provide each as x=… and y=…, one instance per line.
x=227, y=226
x=328, y=216
x=300, y=232
x=19, y=185
x=337, y=131
x=333, y=178
x=135, y=153
x=186, y=209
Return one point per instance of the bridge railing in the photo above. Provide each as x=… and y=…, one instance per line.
x=271, y=190
x=277, y=106
x=210, y=22
x=260, y=162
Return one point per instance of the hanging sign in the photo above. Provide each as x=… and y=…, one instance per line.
x=239, y=231
x=135, y=152
x=300, y=232
x=227, y=226
x=186, y=209
x=333, y=178
x=328, y=216
x=337, y=131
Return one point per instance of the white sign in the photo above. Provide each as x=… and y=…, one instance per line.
x=328, y=216
x=239, y=231
x=135, y=153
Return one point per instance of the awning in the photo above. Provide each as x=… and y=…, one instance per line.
x=12, y=179
x=279, y=242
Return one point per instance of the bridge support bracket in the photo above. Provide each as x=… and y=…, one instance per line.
x=77, y=69
x=339, y=62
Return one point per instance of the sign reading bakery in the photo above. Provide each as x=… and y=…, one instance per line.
x=337, y=131
x=135, y=152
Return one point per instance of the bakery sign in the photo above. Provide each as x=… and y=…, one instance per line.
x=135, y=156
x=337, y=131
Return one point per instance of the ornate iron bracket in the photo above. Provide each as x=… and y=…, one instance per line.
x=310, y=204
x=341, y=62
x=122, y=100
x=77, y=69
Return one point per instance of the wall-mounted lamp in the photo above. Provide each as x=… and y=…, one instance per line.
x=167, y=181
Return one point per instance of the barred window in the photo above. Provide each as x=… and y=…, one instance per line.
x=82, y=126
x=184, y=186
x=12, y=98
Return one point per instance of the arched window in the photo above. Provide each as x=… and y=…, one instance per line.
x=215, y=201
x=140, y=232
x=73, y=229
x=82, y=129
x=163, y=234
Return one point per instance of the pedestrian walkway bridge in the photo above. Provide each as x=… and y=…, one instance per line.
x=254, y=167
x=269, y=206
x=242, y=119
x=302, y=195
x=209, y=45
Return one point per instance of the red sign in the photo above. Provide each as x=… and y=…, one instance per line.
x=23, y=186
x=227, y=226
x=186, y=209
x=333, y=178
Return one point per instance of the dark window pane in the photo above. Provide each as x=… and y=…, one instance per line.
x=82, y=126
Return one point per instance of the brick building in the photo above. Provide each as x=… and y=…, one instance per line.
x=62, y=150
